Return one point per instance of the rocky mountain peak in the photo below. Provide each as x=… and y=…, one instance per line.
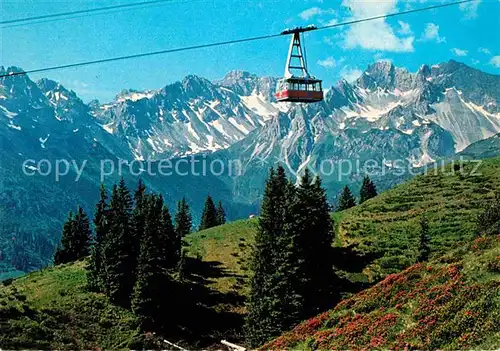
x=46, y=85
x=379, y=74
x=195, y=86
x=235, y=76
x=10, y=69
x=342, y=94
x=383, y=74
x=244, y=83
x=424, y=71
x=19, y=90
x=67, y=105
x=479, y=87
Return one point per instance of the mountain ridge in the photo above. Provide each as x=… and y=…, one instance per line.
x=234, y=119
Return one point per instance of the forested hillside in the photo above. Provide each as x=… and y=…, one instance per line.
x=56, y=308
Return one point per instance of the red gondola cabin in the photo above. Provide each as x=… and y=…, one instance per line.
x=299, y=90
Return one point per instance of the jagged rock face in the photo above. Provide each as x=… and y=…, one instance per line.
x=388, y=114
x=67, y=105
x=39, y=118
x=385, y=75
x=245, y=84
x=188, y=117
x=477, y=87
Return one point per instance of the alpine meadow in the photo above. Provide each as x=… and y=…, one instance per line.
x=157, y=195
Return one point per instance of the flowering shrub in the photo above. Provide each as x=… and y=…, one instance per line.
x=441, y=306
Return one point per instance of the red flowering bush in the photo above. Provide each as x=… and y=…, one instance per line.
x=441, y=306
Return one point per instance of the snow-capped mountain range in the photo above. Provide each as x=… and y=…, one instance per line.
x=387, y=114
x=189, y=117
x=421, y=116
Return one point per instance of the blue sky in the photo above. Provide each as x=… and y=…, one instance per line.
x=467, y=33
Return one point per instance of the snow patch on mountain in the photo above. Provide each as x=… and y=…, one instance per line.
x=8, y=113
x=258, y=104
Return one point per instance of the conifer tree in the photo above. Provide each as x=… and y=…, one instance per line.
x=209, y=215
x=346, y=199
x=118, y=248
x=183, y=219
x=65, y=248
x=76, y=238
x=221, y=214
x=151, y=289
x=368, y=190
x=95, y=270
x=171, y=241
x=83, y=234
x=312, y=229
x=138, y=220
x=273, y=304
x=424, y=240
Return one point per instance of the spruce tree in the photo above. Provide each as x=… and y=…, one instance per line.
x=368, y=190
x=346, y=199
x=76, y=238
x=183, y=219
x=171, y=241
x=273, y=303
x=65, y=249
x=138, y=220
x=311, y=226
x=209, y=215
x=151, y=289
x=221, y=214
x=118, y=248
x=95, y=270
x=424, y=240
x=83, y=234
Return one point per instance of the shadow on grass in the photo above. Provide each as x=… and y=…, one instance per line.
x=350, y=259
x=201, y=313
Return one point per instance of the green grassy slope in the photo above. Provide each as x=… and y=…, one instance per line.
x=452, y=302
x=50, y=309
x=388, y=225
x=382, y=233
x=482, y=149
x=230, y=246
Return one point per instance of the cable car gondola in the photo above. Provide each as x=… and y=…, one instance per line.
x=301, y=87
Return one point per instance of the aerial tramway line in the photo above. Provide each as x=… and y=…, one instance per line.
x=297, y=84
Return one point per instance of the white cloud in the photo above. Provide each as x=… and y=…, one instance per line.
x=495, y=61
x=312, y=12
x=431, y=33
x=77, y=85
x=331, y=22
x=484, y=51
x=470, y=9
x=474, y=61
x=405, y=28
x=374, y=35
x=350, y=73
x=460, y=52
x=329, y=62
